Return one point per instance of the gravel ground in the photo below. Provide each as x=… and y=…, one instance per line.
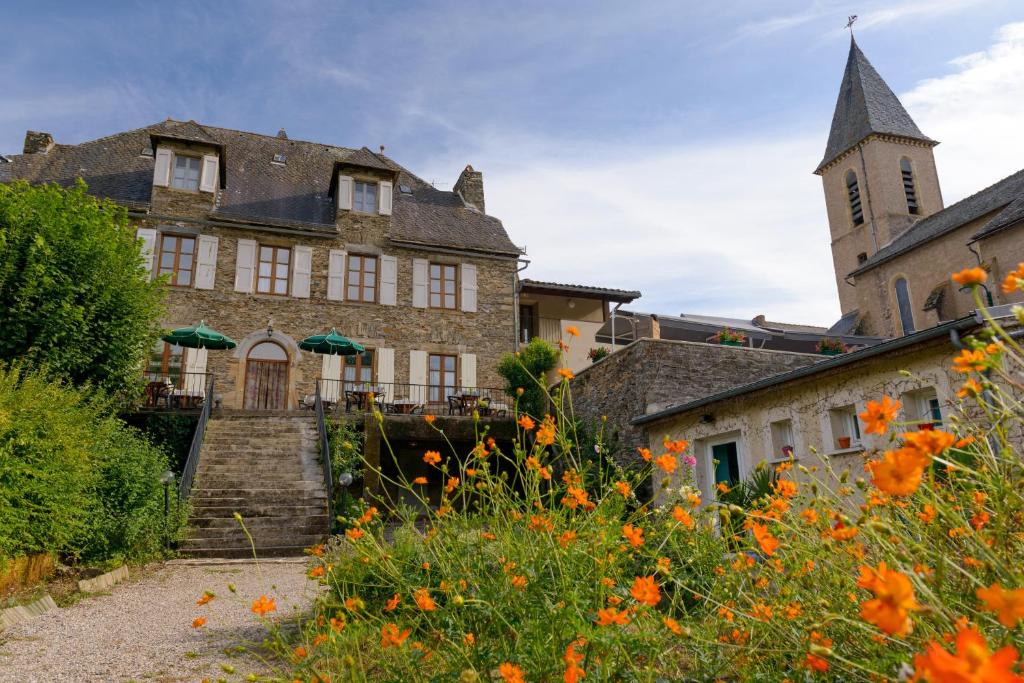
x=142, y=630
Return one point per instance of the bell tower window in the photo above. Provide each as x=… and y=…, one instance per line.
x=903, y=302
x=853, y=194
x=908, y=185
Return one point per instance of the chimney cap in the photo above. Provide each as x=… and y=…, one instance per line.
x=281, y=134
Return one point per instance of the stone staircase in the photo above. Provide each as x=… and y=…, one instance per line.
x=265, y=466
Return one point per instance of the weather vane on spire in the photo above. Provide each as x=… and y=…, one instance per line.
x=850, y=20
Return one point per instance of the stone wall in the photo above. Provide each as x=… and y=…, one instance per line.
x=653, y=374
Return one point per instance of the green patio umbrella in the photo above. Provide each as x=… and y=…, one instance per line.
x=199, y=337
x=331, y=344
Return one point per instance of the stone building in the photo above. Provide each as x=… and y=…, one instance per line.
x=270, y=240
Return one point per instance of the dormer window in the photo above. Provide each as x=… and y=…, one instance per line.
x=186, y=173
x=364, y=197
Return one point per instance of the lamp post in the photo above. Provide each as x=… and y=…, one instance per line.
x=167, y=478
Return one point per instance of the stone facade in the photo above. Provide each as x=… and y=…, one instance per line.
x=653, y=374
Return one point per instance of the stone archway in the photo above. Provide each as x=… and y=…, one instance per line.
x=289, y=368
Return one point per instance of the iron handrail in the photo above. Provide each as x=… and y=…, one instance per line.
x=189, y=471
x=325, y=447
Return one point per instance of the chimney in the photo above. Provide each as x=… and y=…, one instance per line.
x=759, y=320
x=655, y=326
x=470, y=186
x=281, y=134
x=37, y=143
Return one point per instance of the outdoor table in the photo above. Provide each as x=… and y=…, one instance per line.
x=470, y=402
x=405, y=406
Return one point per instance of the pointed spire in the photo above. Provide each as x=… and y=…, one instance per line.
x=865, y=105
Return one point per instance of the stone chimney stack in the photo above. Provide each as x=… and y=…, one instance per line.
x=37, y=143
x=470, y=186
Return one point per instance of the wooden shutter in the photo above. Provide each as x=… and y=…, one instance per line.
x=148, y=250
x=386, y=372
x=388, y=280
x=206, y=261
x=468, y=287
x=344, y=197
x=417, y=370
x=245, y=265
x=195, y=364
x=331, y=370
x=336, y=275
x=209, y=180
x=302, y=266
x=162, y=167
x=420, y=268
x=467, y=368
x=385, y=190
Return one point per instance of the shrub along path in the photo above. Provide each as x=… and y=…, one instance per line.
x=143, y=629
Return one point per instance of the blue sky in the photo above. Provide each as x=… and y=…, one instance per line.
x=662, y=146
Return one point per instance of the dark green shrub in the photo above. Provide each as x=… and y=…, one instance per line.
x=527, y=370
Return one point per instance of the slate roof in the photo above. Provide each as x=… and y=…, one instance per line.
x=865, y=105
x=1007, y=194
x=294, y=194
x=789, y=327
x=622, y=295
x=846, y=325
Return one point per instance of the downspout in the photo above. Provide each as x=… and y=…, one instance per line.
x=516, y=285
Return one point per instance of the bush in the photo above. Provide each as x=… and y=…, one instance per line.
x=527, y=370
x=74, y=297
x=73, y=479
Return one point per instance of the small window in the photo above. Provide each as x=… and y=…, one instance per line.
x=405, y=189
x=364, y=197
x=147, y=151
x=853, y=194
x=527, y=322
x=908, y=185
x=862, y=258
x=358, y=370
x=362, y=278
x=274, y=267
x=726, y=463
x=443, y=278
x=922, y=408
x=186, y=173
x=279, y=159
x=440, y=377
x=845, y=427
x=177, y=259
x=782, y=440
x=166, y=364
x=903, y=303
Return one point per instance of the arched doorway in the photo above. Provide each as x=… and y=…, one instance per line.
x=266, y=377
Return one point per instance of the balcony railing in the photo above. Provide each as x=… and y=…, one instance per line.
x=182, y=391
x=341, y=396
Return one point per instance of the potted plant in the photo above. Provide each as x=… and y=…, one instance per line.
x=787, y=451
x=729, y=337
x=844, y=441
x=597, y=353
x=831, y=347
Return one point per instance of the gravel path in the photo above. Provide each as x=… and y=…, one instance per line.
x=142, y=630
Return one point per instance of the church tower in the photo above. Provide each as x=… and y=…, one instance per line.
x=878, y=171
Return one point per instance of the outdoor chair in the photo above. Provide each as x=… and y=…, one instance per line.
x=154, y=390
x=455, y=406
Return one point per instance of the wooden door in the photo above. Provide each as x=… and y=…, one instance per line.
x=266, y=378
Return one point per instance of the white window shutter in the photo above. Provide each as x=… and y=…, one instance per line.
x=331, y=370
x=302, y=267
x=468, y=287
x=418, y=368
x=245, y=265
x=388, y=280
x=210, y=179
x=386, y=372
x=336, y=275
x=467, y=366
x=148, y=251
x=344, y=197
x=206, y=261
x=385, y=191
x=419, y=282
x=162, y=167
x=195, y=365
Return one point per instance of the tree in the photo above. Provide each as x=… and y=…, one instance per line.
x=74, y=295
x=527, y=370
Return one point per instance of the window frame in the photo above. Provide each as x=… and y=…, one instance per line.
x=779, y=431
x=362, y=258
x=904, y=305
x=359, y=198
x=274, y=279
x=442, y=398
x=442, y=280
x=711, y=493
x=909, y=186
x=351, y=385
x=175, y=269
x=199, y=175
x=532, y=329
x=165, y=356
x=843, y=422
x=853, y=196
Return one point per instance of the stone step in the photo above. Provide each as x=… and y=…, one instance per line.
x=250, y=509
x=241, y=482
x=270, y=472
x=314, y=522
x=286, y=536
x=306, y=490
x=237, y=502
x=222, y=552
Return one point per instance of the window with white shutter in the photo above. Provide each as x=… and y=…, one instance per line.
x=336, y=275
x=388, y=280
x=206, y=262
x=195, y=370
x=148, y=237
x=344, y=196
x=302, y=266
x=385, y=197
x=418, y=368
x=245, y=265
x=420, y=269
x=468, y=288
x=386, y=373
x=467, y=370
x=162, y=167
x=330, y=389
x=210, y=176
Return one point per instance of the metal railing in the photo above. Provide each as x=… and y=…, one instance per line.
x=182, y=391
x=340, y=396
x=192, y=461
x=325, y=448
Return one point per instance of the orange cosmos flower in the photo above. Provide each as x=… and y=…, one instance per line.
x=769, y=544
x=299, y=653
x=573, y=671
x=526, y=423
x=666, y=462
x=898, y=473
x=786, y=488
x=815, y=663
x=693, y=499
x=337, y=624
x=635, y=535
x=572, y=331
x=207, y=596
x=979, y=519
x=970, y=276
x=354, y=603
x=391, y=637
x=1014, y=280
x=263, y=606
x=198, y=623
x=546, y=431
x=894, y=599
x=354, y=534
x=879, y=414
x=927, y=513
x=421, y=596
x=623, y=488
x=929, y=442
x=431, y=457
x=429, y=419
x=316, y=572
x=1006, y=603
x=566, y=373
x=971, y=387
x=510, y=673
x=565, y=539
x=682, y=516
x=810, y=516
x=972, y=661
x=645, y=453
x=723, y=487
x=970, y=360
x=469, y=640
x=519, y=582
x=677, y=446
x=672, y=625
x=645, y=590
x=452, y=483
x=392, y=603
x=609, y=616
x=422, y=481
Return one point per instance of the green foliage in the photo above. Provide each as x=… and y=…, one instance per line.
x=74, y=297
x=74, y=479
x=346, y=439
x=527, y=370
x=170, y=432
